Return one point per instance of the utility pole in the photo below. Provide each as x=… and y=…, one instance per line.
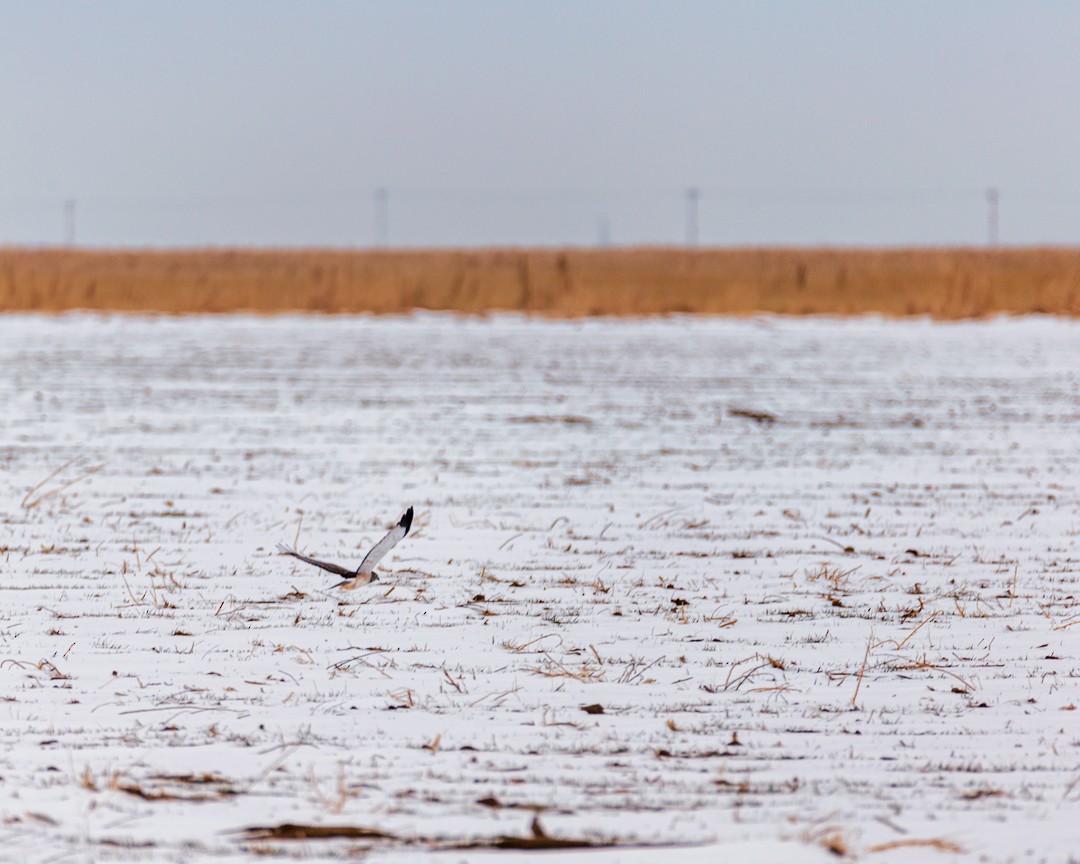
x=382, y=216
x=69, y=222
x=603, y=232
x=992, y=197
x=692, y=195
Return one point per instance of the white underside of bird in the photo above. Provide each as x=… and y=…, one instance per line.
x=365, y=573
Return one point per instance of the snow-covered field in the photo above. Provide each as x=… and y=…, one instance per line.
x=769, y=590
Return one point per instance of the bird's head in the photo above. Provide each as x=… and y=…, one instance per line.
x=374, y=578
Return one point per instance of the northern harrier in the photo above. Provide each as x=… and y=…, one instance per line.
x=365, y=573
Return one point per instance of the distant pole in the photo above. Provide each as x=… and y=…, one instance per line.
x=382, y=216
x=692, y=195
x=992, y=197
x=603, y=232
x=69, y=222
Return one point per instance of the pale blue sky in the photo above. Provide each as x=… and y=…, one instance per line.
x=263, y=123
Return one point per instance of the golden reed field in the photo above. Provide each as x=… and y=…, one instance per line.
x=944, y=283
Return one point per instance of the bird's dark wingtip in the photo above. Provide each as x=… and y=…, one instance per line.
x=406, y=520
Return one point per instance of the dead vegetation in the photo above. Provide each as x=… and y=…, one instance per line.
x=943, y=283
x=763, y=418
x=292, y=831
x=538, y=838
x=42, y=491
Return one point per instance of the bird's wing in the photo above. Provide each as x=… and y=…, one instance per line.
x=325, y=565
x=379, y=550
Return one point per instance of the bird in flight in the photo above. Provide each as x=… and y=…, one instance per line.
x=365, y=573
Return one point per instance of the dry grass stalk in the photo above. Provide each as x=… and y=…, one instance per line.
x=555, y=669
x=923, y=623
x=933, y=843
x=29, y=502
x=335, y=802
x=735, y=682
x=862, y=669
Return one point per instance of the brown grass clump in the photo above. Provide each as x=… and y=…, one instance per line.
x=943, y=283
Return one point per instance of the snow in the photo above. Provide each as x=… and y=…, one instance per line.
x=844, y=627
